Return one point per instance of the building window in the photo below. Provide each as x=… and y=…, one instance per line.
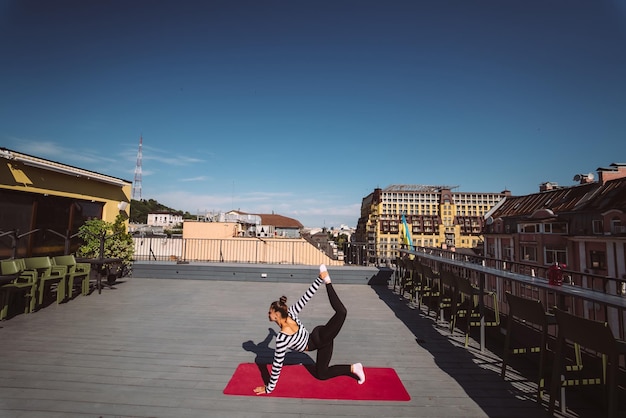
x=555, y=228
x=528, y=252
x=528, y=228
x=598, y=259
x=555, y=255
x=597, y=226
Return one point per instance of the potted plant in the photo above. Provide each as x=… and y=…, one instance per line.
x=102, y=239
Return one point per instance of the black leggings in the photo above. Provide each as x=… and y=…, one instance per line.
x=322, y=338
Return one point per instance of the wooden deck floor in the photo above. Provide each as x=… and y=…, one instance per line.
x=167, y=348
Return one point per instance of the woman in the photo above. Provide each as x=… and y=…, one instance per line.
x=294, y=336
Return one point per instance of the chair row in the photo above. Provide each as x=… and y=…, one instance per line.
x=450, y=295
x=578, y=340
x=570, y=365
x=35, y=278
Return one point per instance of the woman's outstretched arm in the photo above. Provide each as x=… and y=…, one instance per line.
x=277, y=365
x=297, y=307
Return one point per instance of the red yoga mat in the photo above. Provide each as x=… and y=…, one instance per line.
x=381, y=384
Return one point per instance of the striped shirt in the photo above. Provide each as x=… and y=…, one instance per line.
x=297, y=341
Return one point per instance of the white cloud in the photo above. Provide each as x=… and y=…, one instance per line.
x=311, y=212
x=199, y=178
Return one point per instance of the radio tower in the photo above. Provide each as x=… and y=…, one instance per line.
x=136, y=194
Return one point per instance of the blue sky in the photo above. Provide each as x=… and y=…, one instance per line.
x=303, y=108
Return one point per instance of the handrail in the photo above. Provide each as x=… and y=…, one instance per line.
x=584, y=279
x=586, y=302
x=15, y=237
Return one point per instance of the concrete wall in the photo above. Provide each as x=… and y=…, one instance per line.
x=213, y=230
x=258, y=272
x=232, y=250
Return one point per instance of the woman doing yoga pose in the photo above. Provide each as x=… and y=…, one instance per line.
x=294, y=336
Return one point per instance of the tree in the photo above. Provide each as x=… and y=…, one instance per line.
x=139, y=210
x=340, y=239
x=107, y=240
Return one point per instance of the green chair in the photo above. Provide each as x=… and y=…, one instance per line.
x=432, y=281
x=399, y=263
x=21, y=284
x=47, y=278
x=594, y=336
x=421, y=286
x=405, y=279
x=30, y=275
x=21, y=264
x=447, y=295
x=530, y=313
x=409, y=281
x=76, y=274
x=468, y=304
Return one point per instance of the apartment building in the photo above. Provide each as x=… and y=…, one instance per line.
x=582, y=226
x=165, y=219
x=437, y=217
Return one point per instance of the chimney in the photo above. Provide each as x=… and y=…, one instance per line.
x=547, y=186
x=614, y=171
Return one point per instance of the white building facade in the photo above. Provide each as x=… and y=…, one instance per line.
x=165, y=219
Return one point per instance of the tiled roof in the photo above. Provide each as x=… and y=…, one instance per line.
x=580, y=198
x=611, y=196
x=279, y=221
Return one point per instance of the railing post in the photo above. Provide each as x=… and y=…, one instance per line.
x=481, y=309
x=102, y=244
x=14, y=238
x=66, y=250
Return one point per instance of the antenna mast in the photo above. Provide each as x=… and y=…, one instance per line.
x=136, y=194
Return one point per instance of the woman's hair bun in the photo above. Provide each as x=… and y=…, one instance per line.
x=283, y=300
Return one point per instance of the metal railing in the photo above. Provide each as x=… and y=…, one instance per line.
x=15, y=243
x=590, y=296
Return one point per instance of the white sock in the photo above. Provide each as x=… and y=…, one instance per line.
x=357, y=368
x=324, y=274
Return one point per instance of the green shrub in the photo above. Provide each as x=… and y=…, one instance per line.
x=118, y=243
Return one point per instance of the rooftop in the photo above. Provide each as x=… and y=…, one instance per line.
x=167, y=348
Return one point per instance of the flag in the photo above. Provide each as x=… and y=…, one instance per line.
x=405, y=234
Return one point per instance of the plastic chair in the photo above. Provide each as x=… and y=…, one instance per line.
x=532, y=313
x=399, y=273
x=30, y=276
x=20, y=283
x=415, y=287
x=448, y=296
x=400, y=263
x=592, y=335
x=406, y=279
x=47, y=277
x=76, y=274
x=432, y=282
x=468, y=306
x=422, y=286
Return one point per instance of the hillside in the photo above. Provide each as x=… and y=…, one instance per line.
x=139, y=210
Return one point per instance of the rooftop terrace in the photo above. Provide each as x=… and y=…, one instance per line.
x=168, y=347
